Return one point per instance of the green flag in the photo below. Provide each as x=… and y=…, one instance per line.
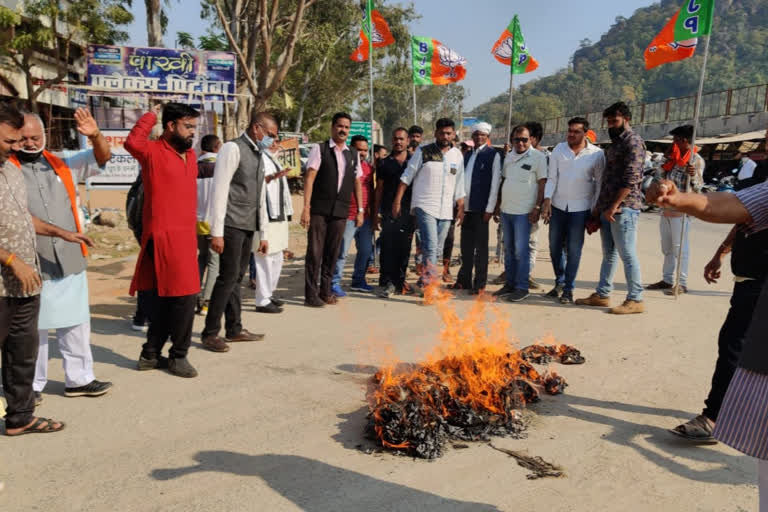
x=510, y=49
x=367, y=21
x=694, y=19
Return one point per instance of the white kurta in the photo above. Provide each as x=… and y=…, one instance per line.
x=64, y=302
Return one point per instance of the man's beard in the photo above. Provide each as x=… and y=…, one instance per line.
x=180, y=143
x=444, y=143
x=614, y=133
x=27, y=156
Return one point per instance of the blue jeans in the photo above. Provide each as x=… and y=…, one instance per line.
x=620, y=240
x=517, y=263
x=566, y=240
x=363, y=237
x=433, y=232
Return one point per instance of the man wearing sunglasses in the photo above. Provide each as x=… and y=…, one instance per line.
x=524, y=176
x=238, y=180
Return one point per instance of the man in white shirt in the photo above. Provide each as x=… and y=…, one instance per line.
x=437, y=174
x=207, y=259
x=236, y=215
x=536, y=131
x=522, y=191
x=745, y=172
x=573, y=184
x=482, y=175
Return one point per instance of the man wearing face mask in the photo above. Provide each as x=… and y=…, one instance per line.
x=618, y=208
x=745, y=172
x=237, y=215
x=51, y=183
x=167, y=263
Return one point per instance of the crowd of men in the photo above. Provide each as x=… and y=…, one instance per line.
x=205, y=219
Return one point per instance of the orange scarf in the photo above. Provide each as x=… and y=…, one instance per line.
x=65, y=175
x=674, y=159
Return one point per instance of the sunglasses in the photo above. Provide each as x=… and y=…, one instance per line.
x=520, y=139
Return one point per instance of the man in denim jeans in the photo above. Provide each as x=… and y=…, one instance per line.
x=363, y=235
x=618, y=207
x=437, y=174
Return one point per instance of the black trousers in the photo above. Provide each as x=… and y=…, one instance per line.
x=19, y=342
x=396, y=240
x=225, y=298
x=145, y=305
x=203, y=255
x=474, y=251
x=323, y=245
x=731, y=342
x=172, y=318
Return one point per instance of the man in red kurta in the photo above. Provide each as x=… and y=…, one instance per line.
x=168, y=259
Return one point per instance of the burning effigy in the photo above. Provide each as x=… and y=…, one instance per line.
x=472, y=386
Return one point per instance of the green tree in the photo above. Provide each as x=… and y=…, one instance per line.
x=57, y=31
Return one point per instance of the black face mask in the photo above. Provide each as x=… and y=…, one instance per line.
x=615, y=133
x=179, y=143
x=29, y=157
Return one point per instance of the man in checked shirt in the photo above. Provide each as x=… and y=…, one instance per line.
x=618, y=208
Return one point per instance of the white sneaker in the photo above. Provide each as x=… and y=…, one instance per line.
x=137, y=327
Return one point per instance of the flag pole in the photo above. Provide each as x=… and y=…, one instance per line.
x=511, y=85
x=369, y=9
x=696, y=115
x=413, y=84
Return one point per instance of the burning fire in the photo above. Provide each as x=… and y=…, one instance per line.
x=471, y=386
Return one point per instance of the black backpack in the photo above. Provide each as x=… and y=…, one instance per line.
x=134, y=205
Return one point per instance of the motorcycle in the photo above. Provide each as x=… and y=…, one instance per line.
x=725, y=184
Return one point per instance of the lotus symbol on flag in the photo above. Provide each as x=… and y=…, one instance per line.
x=504, y=51
x=450, y=59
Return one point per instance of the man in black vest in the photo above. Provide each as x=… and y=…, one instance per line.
x=235, y=216
x=482, y=174
x=333, y=173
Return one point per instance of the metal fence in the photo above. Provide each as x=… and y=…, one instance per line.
x=744, y=100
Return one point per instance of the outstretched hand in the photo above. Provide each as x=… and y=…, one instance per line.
x=662, y=193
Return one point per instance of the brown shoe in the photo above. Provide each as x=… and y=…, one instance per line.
x=630, y=307
x=661, y=285
x=330, y=300
x=681, y=290
x=245, y=335
x=215, y=344
x=595, y=300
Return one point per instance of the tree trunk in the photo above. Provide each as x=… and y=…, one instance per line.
x=302, y=102
x=154, y=29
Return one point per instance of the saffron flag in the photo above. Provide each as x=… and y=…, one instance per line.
x=512, y=51
x=382, y=36
x=434, y=63
x=679, y=37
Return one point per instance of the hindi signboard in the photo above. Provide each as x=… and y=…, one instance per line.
x=288, y=157
x=360, y=128
x=162, y=72
x=121, y=170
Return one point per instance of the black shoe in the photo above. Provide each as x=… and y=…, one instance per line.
x=566, y=298
x=181, y=368
x=314, y=302
x=93, y=388
x=152, y=363
x=517, y=296
x=555, y=292
x=384, y=292
x=505, y=290
x=269, y=308
x=277, y=302
x=38, y=398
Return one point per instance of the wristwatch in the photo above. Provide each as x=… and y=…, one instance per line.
x=361, y=210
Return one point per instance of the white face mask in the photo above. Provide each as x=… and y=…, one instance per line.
x=28, y=155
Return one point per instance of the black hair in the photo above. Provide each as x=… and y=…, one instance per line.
x=618, y=109
x=11, y=115
x=415, y=130
x=535, y=129
x=340, y=115
x=358, y=138
x=518, y=129
x=685, y=131
x=444, y=122
x=378, y=147
x=175, y=111
x=260, y=117
x=208, y=142
x=400, y=129
x=580, y=120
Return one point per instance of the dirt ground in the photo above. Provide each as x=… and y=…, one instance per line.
x=276, y=425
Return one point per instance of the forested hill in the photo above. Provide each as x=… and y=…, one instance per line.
x=613, y=69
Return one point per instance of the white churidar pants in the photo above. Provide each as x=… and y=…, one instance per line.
x=670, y=246
x=268, y=269
x=75, y=347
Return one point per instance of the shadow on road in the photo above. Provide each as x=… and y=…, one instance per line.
x=315, y=486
